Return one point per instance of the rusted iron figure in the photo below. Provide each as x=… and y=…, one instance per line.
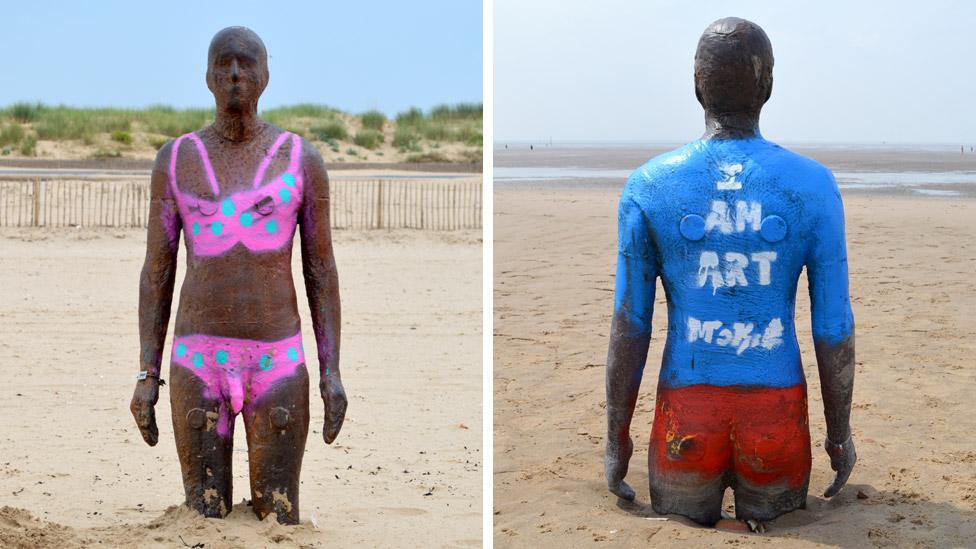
x=728, y=222
x=238, y=190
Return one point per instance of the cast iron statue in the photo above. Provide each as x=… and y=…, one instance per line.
x=728, y=222
x=238, y=190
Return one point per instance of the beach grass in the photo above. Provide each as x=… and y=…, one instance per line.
x=103, y=130
x=11, y=134
x=369, y=139
x=373, y=120
x=329, y=131
x=461, y=123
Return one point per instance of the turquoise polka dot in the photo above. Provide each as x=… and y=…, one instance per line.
x=246, y=219
x=289, y=179
x=285, y=195
x=180, y=349
x=198, y=360
x=216, y=228
x=265, y=362
x=196, y=229
x=271, y=226
x=292, y=354
x=227, y=207
x=221, y=356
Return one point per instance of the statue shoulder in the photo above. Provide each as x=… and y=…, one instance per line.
x=803, y=166
x=313, y=164
x=163, y=155
x=310, y=153
x=663, y=171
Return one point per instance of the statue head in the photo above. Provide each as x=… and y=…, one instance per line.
x=237, y=69
x=733, y=67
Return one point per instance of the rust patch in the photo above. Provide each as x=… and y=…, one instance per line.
x=281, y=496
x=678, y=445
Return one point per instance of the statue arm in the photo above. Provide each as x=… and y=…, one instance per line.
x=630, y=336
x=833, y=334
x=322, y=287
x=156, y=293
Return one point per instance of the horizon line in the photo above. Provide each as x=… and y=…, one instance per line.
x=673, y=142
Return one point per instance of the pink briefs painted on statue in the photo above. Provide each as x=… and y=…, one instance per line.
x=238, y=371
x=262, y=218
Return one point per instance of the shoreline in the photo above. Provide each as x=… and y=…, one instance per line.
x=865, y=171
x=942, y=192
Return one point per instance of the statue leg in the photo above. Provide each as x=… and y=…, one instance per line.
x=277, y=426
x=204, y=428
x=690, y=454
x=772, y=453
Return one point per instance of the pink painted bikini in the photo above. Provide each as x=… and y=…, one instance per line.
x=240, y=371
x=261, y=219
x=237, y=370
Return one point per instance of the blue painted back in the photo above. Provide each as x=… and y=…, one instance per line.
x=728, y=225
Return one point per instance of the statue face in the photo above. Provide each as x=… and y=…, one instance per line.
x=237, y=68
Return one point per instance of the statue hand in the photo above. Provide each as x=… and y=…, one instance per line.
x=334, y=397
x=842, y=459
x=144, y=399
x=615, y=466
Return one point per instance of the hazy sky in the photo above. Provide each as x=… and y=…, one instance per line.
x=845, y=71
x=355, y=56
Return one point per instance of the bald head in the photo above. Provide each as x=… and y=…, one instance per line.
x=237, y=38
x=237, y=68
x=733, y=67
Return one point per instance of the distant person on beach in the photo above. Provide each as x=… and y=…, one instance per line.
x=728, y=223
x=237, y=346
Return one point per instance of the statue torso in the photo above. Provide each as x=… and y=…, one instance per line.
x=730, y=223
x=239, y=206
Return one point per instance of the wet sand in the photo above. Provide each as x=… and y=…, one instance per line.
x=836, y=157
x=405, y=471
x=912, y=263
x=930, y=170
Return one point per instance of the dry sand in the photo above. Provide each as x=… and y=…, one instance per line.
x=406, y=469
x=912, y=282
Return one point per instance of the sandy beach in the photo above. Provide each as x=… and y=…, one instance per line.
x=912, y=262
x=405, y=471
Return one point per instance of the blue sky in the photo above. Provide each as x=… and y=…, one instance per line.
x=356, y=56
x=861, y=72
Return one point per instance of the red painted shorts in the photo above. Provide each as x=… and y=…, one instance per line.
x=754, y=437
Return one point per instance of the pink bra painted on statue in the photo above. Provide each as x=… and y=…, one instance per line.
x=261, y=219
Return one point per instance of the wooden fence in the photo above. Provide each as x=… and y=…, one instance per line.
x=441, y=205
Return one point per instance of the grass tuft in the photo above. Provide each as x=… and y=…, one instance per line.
x=11, y=135
x=373, y=120
x=122, y=136
x=369, y=139
x=426, y=157
x=330, y=131
x=28, y=147
x=24, y=112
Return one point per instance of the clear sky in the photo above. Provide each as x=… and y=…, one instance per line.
x=389, y=55
x=857, y=72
